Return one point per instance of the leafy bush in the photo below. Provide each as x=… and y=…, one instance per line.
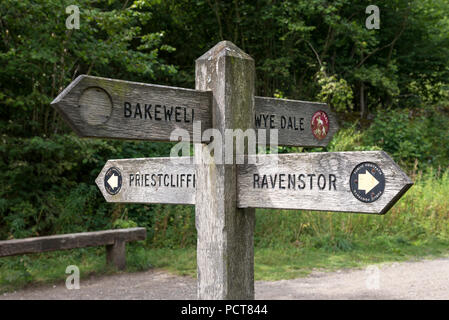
x=336, y=92
x=412, y=136
x=48, y=183
x=123, y=224
x=349, y=139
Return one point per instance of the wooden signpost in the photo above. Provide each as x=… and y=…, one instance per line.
x=225, y=195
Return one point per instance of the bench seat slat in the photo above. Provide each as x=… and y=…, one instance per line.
x=69, y=241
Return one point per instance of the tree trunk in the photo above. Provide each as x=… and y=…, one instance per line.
x=362, y=101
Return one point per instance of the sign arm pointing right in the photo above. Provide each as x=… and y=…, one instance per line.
x=408, y=183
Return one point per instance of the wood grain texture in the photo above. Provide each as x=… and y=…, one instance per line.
x=70, y=241
x=225, y=250
x=116, y=254
x=339, y=164
x=107, y=108
x=340, y=198
x=153, y=190
x=281, y=111
x=95, y=107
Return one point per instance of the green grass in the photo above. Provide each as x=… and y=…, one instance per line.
x=288, y=244
x=270, y=263
x=36, y=269
x=289, y=263
x=17, y=272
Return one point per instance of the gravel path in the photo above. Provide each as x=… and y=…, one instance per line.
x=428, y=279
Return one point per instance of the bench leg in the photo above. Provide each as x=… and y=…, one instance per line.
x=116, y=255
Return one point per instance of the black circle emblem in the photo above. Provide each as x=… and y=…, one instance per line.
x=113, y=181
x=367, y=182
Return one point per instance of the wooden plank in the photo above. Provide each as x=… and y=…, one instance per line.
x=108, y=108
x=296, y=121
x=322, y=181
x=148, y=180
x=69, y=241
x=329, y=172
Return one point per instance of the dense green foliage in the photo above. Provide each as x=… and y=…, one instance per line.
x=389, y=86
x=48, y=184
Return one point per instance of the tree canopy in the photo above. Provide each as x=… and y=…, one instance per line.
x=303, y=49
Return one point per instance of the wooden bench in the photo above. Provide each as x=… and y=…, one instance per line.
x=114, y=240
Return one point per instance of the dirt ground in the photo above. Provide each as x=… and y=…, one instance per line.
x=428, y=279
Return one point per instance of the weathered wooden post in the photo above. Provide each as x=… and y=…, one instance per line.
x=225, y=250
x=116, y=254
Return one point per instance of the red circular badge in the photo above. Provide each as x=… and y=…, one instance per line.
x=320, y=125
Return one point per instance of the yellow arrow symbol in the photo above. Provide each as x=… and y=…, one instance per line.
x=367, y=182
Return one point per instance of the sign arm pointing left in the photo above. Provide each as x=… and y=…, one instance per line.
x=109, y=108
x=58, y=104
